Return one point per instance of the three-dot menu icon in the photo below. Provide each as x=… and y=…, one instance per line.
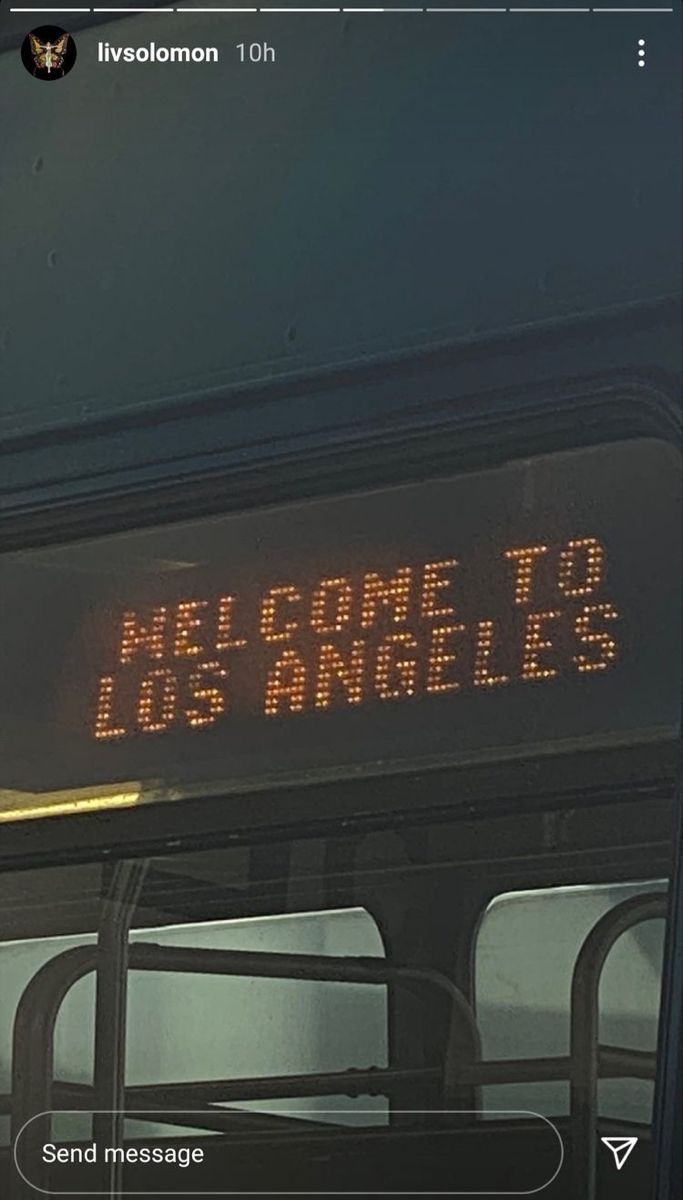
x=641, y=52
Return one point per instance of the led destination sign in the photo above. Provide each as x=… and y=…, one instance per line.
x=351, y=641
x=522, y=609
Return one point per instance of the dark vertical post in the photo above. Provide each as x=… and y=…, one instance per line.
x=669, y=1085
x=33, y=1064
x=111, y=995
x=585, y=1033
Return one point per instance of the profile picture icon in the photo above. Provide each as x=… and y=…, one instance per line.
x=48, y=52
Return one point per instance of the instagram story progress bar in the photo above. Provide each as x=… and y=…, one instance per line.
x=312, y=9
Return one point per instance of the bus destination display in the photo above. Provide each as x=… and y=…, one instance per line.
x=512, y=609
x=350, y=641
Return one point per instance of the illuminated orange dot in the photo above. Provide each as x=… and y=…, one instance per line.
x=395, y=673
x=581, y=568
x=525, y=561
x=105, y=730
x=442, y=655
x=147, y=639
x=483, y=675
x=186, y=622
x=286, y=685
x=535, y=643
x=433, y=584
x=157, y=701
x=273, y=627
x=331, y=606
x=203, y=687
x=333, y=669
x=597, y=639
x=225, y=639
x=392, y=594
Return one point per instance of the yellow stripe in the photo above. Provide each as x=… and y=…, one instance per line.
x=27, y=810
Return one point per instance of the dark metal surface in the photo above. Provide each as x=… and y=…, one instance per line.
x=669, y=1089
x=585, y=1032
x=33, y=1057
x=111, y=996
x=578, y=382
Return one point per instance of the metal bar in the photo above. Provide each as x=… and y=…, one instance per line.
x=669, y=1090
x=376, y=1081
x=615, y=1062
x=618, y=1062
x=33, y=1058
x=226, y=1120
x=153, y=956
x=463, y=1048
x=37, y=1011
x=584, y=1026
x=111, y=996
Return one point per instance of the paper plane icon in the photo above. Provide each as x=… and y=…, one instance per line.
x=621, y=1147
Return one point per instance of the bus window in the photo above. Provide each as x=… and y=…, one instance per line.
x=523, y=996
x=261, y=1026
x=340, y=1002
x=209, y=1027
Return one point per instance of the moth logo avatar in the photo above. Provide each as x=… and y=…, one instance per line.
x=48, y=52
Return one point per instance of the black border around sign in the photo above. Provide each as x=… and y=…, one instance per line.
x=346, y=805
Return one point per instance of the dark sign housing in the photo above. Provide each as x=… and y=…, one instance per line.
x=516, y=610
